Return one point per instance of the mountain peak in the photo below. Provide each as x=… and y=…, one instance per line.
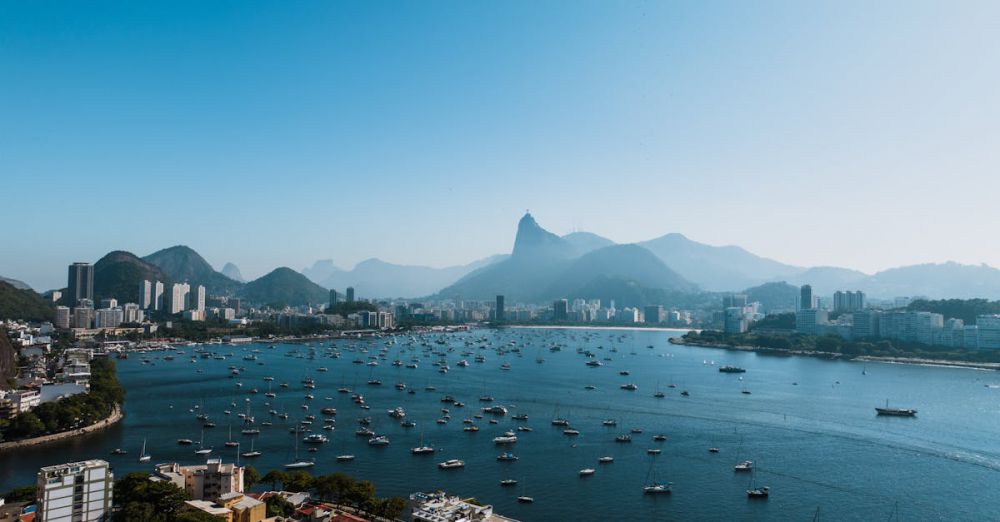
x=532, y=241
x=232, y=271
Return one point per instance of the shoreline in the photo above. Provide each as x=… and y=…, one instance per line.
x=915, y=361
x=116, y=415
x=577, y=327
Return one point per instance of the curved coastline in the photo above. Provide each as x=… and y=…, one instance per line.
x=916, y=361
x=115, y=416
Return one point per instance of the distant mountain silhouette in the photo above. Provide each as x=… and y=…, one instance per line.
x=321, y=271
x=119, y=273
x=717, y=268
x=584, y=242
x=232, y=271
x=181, y=263
x=826, y=280
x=544, y=266
x=20, y=285
x=937, y=281
x=284, y=286
x=377, y=278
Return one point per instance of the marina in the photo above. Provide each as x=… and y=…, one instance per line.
x=569, y=425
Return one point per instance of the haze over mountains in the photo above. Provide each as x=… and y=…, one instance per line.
x=544, y=266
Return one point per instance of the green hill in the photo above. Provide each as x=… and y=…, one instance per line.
x=181, y=263
x=284, y=286
x=119, y=273
x=23, y=304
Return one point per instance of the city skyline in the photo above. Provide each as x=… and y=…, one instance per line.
x=275, y=137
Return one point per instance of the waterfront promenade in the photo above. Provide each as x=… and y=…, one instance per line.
x=115, y=416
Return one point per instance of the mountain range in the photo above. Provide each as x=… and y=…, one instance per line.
x=544, y=266
x=376, y=278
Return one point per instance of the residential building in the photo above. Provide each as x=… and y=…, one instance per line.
x=83, y=317
x=62, y=317
x=108, y=318
x=196, y=298
x=866, y=324
x=734, y=300
x=333, y=298
x=653, y=314
x=80, y=284
x=132, y=313
x=499, y=313
x=806, y=301
x=178, y=298
x=209, y=481
x=848, y=301
x=75, y=492
x=232, y=507
x=145, y=294
x=810, y=320
x=736, y=321
x=988, y=332
x=350, y=294
x=560, y=310
x=440, y=507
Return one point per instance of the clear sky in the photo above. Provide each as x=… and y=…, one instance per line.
x=858, y=134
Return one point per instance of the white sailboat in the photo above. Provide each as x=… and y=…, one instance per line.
x=202, y=450
x=299, y=464
x=142, y=455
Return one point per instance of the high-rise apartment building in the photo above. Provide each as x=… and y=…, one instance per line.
x=333, y=298
x=560, y=310
x=500, y=314
x=848, y=301
x=806, y=301
x=178, y=298
x=80, y=284
x=75, y=492
x=350, y=294
x=62, y=317
x=196, y=298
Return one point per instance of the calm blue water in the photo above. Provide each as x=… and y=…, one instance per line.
x=817, y=444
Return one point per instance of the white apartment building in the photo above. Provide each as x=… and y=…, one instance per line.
x=75, y=492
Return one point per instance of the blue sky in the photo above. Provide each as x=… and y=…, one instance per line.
x=858, y=134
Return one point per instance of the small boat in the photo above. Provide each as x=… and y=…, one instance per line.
x=713, y=450
x=571, y=432
x=654, y=451
x=659, y=438
x=745, y=466
x=142, y=454
x=586, y=472
x=508, y=482
x=895, y=412
x=507, y=457
x=606, y=460
x=623, y=438
x=345, y=458
x=185, y=442
x=380, y=440
x=731, y=369
x=629, y=387
x=452, y=464
x=119, y=451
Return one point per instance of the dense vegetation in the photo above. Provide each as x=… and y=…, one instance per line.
x=284, y=286
x=339, y=488
x=774, y=296
x=119, y=273
x=23, y=304
x=833, y=345
x=775, y=321
x=72, y=412
x=964, y=309
x=143, y=499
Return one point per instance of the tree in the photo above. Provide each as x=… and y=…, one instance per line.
x=251, y=477
x=278, y=507
x=332, y=487
x=163, y=497
x=21, y=494
x=298, y=481
x=274, y=478
x=392, y=508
